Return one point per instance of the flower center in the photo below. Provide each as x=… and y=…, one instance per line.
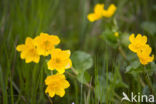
x=57, y=60
x=46, y=45
x=46, y=42
x=32, y=51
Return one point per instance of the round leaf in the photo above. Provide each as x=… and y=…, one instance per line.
x=81, y=61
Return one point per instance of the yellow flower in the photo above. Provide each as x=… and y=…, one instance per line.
x=98, y=9
x=28, y=51
x=46, y=43
x=144, y=55
x=137, y=43
x=56, y=84
x=93, y=17
x=116, y=34
x=143, y=50
x=98, y=12
x=110, y=11
x=60, y=60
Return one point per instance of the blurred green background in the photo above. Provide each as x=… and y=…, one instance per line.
x=111, y=68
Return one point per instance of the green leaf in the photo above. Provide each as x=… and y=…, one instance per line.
x=84, y=77
x=81, y=61
x=133, y=66
x=109, y=37
x=153, y=66
x=149, y=27
x=125, y=39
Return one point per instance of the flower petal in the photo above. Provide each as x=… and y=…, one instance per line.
x=20, y=47
x=132, y=38
x=60, y=92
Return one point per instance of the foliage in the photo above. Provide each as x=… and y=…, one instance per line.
x=102, y=65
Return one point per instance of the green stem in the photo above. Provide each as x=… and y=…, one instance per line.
x=50, y=100
x=51, y=72
x=86, y=84
x=148, y=81
x=74, y=71
x=141, y=81
x=123, y=53
x=18, y=90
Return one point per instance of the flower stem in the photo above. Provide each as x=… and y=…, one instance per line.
x=123, y=54
x=148, y=81
x=74, y=71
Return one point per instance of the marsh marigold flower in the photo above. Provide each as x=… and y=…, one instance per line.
x=56, y=84
x=144, y=55
x=60, y=60
x=45, y=43
x=137, y=42
x=139, y=46
x=100, y=12
x=28, y=51
x=110, y=11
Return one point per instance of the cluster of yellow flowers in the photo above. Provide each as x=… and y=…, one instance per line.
x=100, y=12
x=44, y=44
x=139, y=45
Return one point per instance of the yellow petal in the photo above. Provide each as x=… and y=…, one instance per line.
x=98, y=8
x=51, y=93
x=29, y=41
x=144, y=39
x=50, y=67
x=23, y=55
x=28, y=59
x=65, y=84
x=91, y=17
x=141, y=39
x=112, y=8
x=61, y=70
x=151, y=58
x=55, y=52
x=145, y=50
x=20, y=47
x=43, y=34
x=60, y=92
x=69, y=64
x=110, y=11
x=132, y=48
x=132, y=38
x=36, y=59
x=55, y=39
x=65, y=54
